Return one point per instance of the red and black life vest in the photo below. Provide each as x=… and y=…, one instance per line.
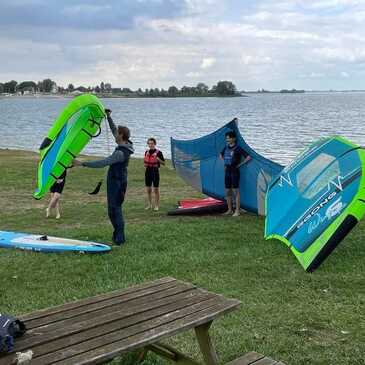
x=151, y=160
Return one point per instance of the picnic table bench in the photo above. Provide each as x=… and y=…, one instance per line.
x=97, y=329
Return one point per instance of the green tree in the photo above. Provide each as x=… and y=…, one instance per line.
x=172, y=91
x=1, y=88
x=202, y=89
x=27, y=85
x=47, y=85
x=10, y=87
x=185, y=91
x=226, y=88
x=70, y=88
x=81, y=88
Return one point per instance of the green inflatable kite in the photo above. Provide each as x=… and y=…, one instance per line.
x=76, y=125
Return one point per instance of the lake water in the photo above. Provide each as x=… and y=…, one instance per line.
x=278, y=126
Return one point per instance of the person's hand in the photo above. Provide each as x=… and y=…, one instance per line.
x=76, y=163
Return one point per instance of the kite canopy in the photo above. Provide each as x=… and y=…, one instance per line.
x=197, y=162
x=316, y=200
x=199, y=207
x=78, y=122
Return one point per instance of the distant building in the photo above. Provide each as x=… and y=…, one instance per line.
x=28, y=90
x=54, y=89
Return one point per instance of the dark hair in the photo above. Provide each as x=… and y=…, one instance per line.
x=152, y=140
x=231, y=134
x=124, y=132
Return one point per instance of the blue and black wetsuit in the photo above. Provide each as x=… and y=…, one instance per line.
x=116, y=183
x=232, y=156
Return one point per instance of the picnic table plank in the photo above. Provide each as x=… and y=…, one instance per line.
x=265, y=361
x=98, y=355
x=68, y=327
x=97, y=298
x=126, y=333
x=95, y=330
x=157, y=291
x=254, y=358
x=247, y=359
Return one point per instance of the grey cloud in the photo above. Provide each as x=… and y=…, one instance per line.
x=85, y=14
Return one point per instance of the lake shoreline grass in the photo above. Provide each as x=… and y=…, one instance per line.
x=286, y=313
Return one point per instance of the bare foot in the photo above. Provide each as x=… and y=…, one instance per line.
x=228, y=212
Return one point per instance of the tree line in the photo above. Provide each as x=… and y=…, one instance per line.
x=222, y=88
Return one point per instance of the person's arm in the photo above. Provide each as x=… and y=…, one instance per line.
x=246, y=157
x=221, y=155
x=111, y=123
x=160, y=158
x=62, y=177
x=115, y=157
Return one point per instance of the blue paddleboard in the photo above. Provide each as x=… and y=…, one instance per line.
x=41, y=243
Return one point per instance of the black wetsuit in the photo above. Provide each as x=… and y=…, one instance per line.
x=58, y=187
x=116, y=183
x=152, y=173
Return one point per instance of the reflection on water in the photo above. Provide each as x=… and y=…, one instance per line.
x=278, y=126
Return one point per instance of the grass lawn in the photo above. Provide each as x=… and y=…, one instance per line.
x=286, y=313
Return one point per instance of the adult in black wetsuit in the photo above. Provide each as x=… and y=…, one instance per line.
x=117, y=176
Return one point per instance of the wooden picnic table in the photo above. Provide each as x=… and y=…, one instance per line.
x=97, y=329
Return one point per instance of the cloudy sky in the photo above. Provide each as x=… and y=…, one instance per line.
x=270, y=44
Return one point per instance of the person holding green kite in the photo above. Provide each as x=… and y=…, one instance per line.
x=117, y=176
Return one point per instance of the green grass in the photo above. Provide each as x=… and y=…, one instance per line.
x=286, y=313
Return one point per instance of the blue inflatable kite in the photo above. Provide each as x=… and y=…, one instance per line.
x=316, y=200
x=197, y=162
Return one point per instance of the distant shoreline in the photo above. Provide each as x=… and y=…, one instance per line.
x=114, y=96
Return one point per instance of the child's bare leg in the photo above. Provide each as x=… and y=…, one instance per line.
x=149, y=197
x=56, y=204
x=229, y=201
x=157, y=198
x=58, y=214
x=48, y=210
x=238, y=202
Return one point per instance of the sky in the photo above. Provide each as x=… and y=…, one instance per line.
x=270, y=44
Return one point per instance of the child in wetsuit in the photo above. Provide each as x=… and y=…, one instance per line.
x=234, y=156
x=153, y=159
x=56, y=191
